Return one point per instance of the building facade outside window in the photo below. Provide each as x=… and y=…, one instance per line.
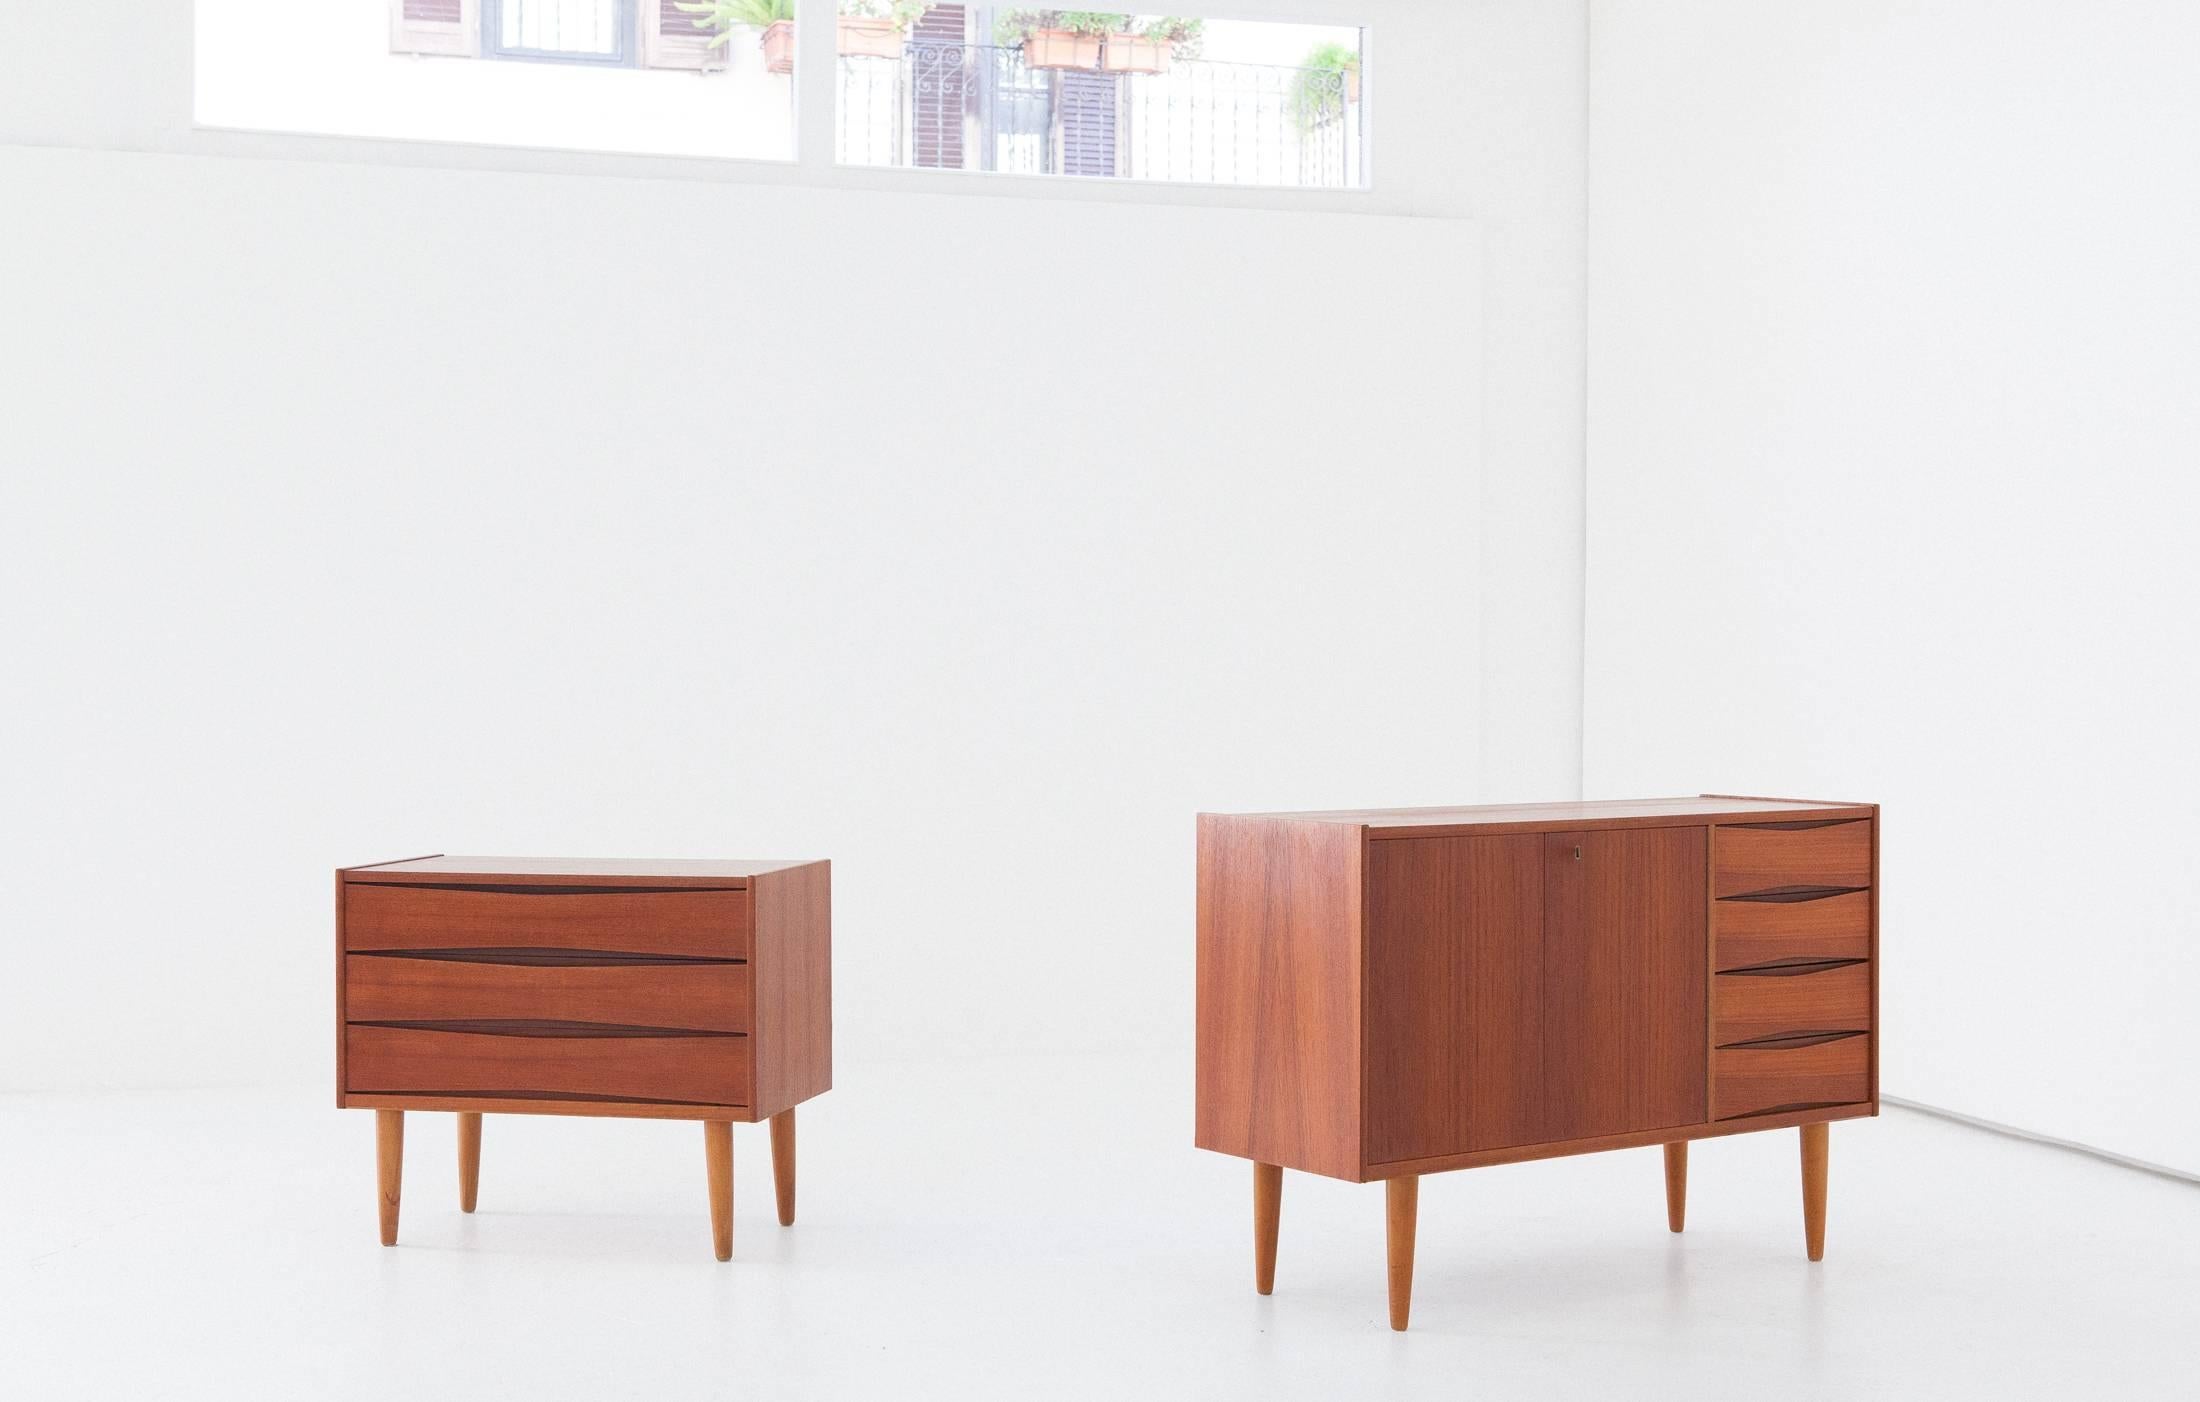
x=1097, y=94
x=1076, y=94
x=691, y=34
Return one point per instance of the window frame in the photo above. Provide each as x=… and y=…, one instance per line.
x=626, y=24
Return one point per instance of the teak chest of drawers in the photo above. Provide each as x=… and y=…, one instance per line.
x=1384, y=994
x=664, y=990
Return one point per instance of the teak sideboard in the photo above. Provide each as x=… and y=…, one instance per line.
x=1388, y=993
x=690, y=990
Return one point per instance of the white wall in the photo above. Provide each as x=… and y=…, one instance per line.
x=1475, y=110
x=1520, y=78
x=1894, y=338
x=350, y=517
x=309, y=495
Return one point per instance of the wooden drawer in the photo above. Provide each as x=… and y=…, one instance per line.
x=1766, y=857
x=693, y=1070
x=1750, y=1007
x=1750, y=933
x=692, y=997
x=705, y=922
x=1758, y=1080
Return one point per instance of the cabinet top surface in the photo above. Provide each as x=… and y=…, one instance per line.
x=1594, y=813
x=601, y=868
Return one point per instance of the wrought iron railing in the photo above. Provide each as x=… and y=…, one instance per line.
x=981, y=107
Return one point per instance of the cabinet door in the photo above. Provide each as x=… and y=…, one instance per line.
x=1625, y=1043
x=1454, y=993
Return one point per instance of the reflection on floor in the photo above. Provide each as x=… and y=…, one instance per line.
x=1043, y=1229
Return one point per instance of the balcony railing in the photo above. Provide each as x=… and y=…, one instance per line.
x=981, y=107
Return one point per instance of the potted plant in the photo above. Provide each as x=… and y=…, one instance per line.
x=1327, y=80
x=1148, y=48
x=876, y=28
x=1060, y=38
x=775, y=18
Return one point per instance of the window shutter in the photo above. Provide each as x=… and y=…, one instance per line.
x=436, y=27
x=672, y=38
x=1086, y=109
x=942, y=65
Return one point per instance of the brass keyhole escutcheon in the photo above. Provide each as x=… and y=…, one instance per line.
x=1577, y=851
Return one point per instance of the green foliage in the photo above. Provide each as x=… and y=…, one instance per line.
x=1095, y=21
x=725, y=15
x=1180, y=30
x=1333, y=56
x=1187, y=38
x=902, y=12
x=1014, y=26
x=1317, y=90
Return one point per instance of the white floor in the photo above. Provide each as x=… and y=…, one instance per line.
x=1043, y=1229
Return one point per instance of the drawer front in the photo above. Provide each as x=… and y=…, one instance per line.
x=689, y=997
x=1753, y=1007
x=703, y=923
x=1753, y=858
x=690, y=1070
x=1751, y=933
x=1759, y=1080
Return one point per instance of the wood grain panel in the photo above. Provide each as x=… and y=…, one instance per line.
x=1764, y=932
x=705, y=997
x=791, y=965
x=1454, y=993
x=1752, y=1080
x=706, y=923
x=1833, y=999
x=1766, y=858
x=689, y=1070
x=1624, y=982
x=1279, y=1058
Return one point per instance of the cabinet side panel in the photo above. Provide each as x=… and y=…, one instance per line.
x=341, y=1015
x=1455, y=994
x=791, y=985
x=1227, y=986
x=1877, y=1025
x=1279, y=993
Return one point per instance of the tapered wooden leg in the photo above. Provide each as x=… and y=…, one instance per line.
x=1267, y=1211
x=389, y=1167
x=1814, y=1190
x=1402, y=1198
x=469, y=1158
x=783, y=1164
x=718, y=1148
x=1676, y=1185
